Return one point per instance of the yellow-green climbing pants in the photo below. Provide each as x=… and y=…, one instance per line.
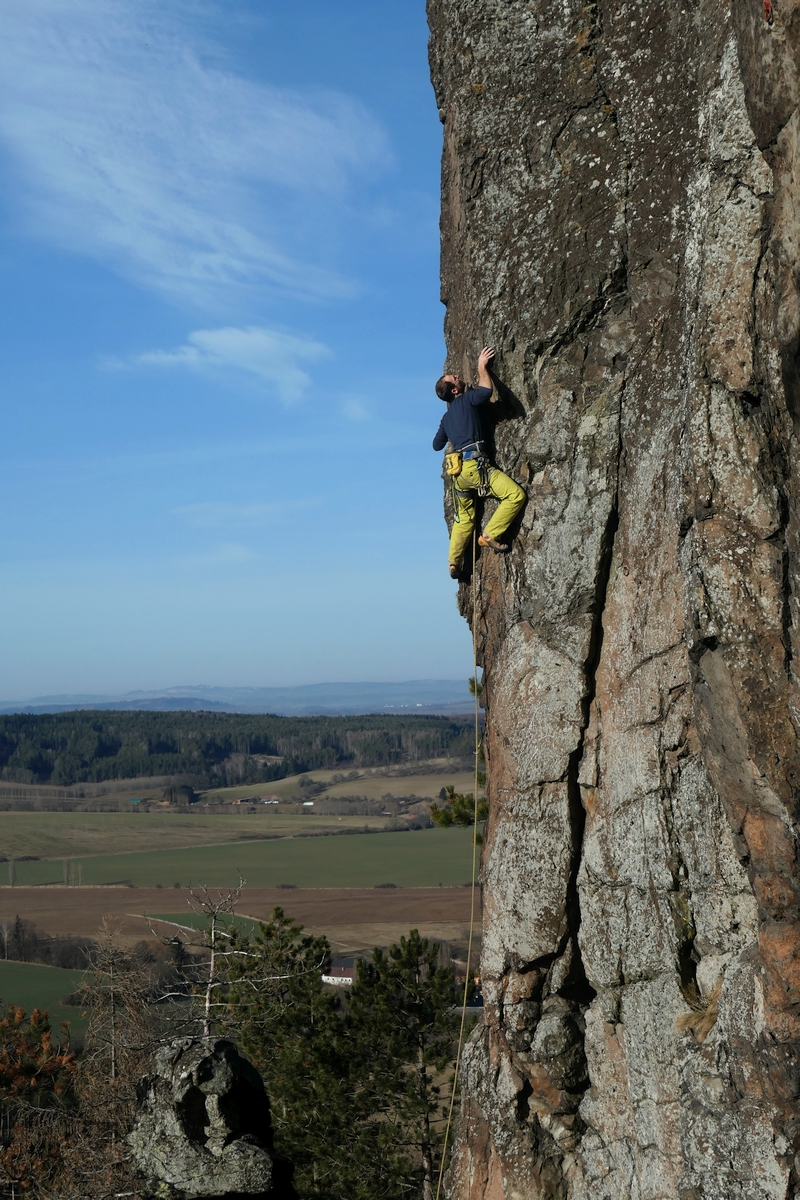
x=510, y=495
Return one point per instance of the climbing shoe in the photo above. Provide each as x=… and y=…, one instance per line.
x=485, y=541
x=454, y=572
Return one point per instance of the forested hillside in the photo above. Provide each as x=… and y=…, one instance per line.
x=90, y=746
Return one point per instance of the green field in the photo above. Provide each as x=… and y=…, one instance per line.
x=374, y=787
x=193, y=920
x=421, y=858
x=373, y=784
x=59, y=835
x=31, y=985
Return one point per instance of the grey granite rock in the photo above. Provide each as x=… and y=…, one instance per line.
x=203, y=1127
x=620, y=218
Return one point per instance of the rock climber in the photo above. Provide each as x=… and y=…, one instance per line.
x=469, y=466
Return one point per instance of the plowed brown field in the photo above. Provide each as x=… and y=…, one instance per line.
x=352, y=918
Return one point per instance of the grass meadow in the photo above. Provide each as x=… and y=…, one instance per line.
x=70, y=834
x=419, y=858
x=31, y=985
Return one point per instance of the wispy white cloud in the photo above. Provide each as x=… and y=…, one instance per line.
x=355, y=409
x=270, y=355
x=137, y=148
x=216, y=514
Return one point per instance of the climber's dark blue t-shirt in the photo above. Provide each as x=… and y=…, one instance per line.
x=461, y=424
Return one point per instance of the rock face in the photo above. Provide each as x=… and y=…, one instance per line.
x=203, y=1128
x=621, y=218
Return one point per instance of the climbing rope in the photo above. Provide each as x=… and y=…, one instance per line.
x=474, y=858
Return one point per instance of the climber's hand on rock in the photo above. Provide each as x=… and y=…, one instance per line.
x=484, y=378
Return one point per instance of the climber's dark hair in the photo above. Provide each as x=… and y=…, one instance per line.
x=444, y=388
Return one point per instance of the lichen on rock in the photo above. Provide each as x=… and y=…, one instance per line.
x=620, y=218
x=203, y=1127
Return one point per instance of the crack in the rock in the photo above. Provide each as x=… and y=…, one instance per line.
x=781, y=466
x=576, y=987
x=591, y=663
x=681, y=895
x=648, y=658
x=786, y=610
x=783, y=474
x=791, y=379
x=573, y=112
x=588, y=317
x=523, y=1098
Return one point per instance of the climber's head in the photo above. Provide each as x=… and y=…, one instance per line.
x=450, y=386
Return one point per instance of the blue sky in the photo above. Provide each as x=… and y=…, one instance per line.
x=222, y=326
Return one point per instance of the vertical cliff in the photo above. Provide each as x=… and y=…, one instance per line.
x=620, y=218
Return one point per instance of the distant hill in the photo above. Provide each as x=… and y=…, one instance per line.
x=314, y=699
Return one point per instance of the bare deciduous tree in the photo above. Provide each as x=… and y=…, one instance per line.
x=224, y=953
x=120, y=1039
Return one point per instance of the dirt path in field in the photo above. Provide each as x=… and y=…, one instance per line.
x=352, y=918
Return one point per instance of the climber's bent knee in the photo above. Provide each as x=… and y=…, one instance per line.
x=512, y=499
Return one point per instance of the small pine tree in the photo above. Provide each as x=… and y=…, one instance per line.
x=119, y=1041
x=459, y=809
x=290, y=1027
x=402, y=1023
x=34, y=1070
x=36, y=1076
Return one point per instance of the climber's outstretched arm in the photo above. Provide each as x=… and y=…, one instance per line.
x=484, y=358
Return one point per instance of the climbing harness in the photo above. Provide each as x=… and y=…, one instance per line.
x=474, y=861
x=454, y=465
x=484, y=475
x=475, y=450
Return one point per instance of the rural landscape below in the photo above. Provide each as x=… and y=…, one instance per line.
x=348, y=849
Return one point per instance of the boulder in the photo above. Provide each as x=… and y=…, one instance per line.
x=203, y=1127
